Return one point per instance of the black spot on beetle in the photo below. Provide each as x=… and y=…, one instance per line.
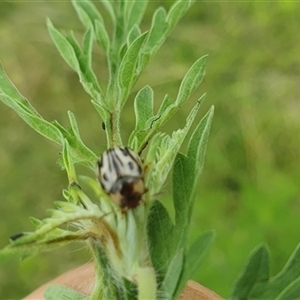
x=131, y=165
x=105, y=177
x=124, y=151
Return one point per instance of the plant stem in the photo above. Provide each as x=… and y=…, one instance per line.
x=146, y=283
x=104, y=284
x=116, y=139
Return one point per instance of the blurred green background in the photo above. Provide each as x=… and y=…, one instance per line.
x=249, y=190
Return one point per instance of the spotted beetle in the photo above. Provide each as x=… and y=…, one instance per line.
x=121, y=175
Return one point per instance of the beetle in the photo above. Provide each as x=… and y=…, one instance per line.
x=121, y=175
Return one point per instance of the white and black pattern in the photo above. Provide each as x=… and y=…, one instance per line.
x=121, y=176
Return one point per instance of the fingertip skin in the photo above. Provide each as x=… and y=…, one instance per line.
x=81, y=279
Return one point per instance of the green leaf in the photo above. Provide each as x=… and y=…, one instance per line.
x=88, y=47
x=157, y=31
x=64, y=47
x=194, y=257
x=87, y=13
x=133, y=35
x=197, y=253
x=127, y=71
x=33, y=243
x=79, y=150
x=170, y=281
x=167, y=151
x=82, y=14
x=36, y=122
x=285, y=282
x=102, y=37
x=161, y=27
x=85, y=72
x=159, y=227
x=8, y=253
x=168, y=107
x=177, y=11
x=183, y=185
x=186, y=174
x=291, y=292
x=143, y=107
x=198, y=142
x=12, y=98
x=136, y=13
x=36, y=222
x=167, y=102
x=55, y=292
x=191, y=80
x=8, y=89
x=256, y=270
x=92, y=19
x=74, y=125
x=78, y=60
x=289, y=273
x=109, y=6
x=68, y=163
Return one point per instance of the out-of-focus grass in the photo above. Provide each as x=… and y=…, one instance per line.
x=249, y=191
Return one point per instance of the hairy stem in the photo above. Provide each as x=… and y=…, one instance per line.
x=146, y=283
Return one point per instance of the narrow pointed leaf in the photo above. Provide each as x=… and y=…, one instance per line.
x=172, y=276
x=255, y=270
x=292, y=291
x=183, y=185
x=88, y=47
x=162, y=25
x=68, y=163
x=36, y=222
x=109, y=6
x=186, y=174
x=82, y=14
x=8, y=89
x=34, y=247
x=191, y=80
x=55, y=292
x=168, y=107
x=102, y=37
x=157, y=30
x=290, y=272
x=74, y=125
x=136, y=13
x=127, y=74
x=85, y=72
x=143, y=107
x=133, y=35
x=79, y=60
x=285, y=280
x=198, y=142
x=159, y=230
x=167, y=102
x=177, y=11
x=36, y=122
x=87, y=12
x=194, y=257
x=168, y=150
x=64, y=47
